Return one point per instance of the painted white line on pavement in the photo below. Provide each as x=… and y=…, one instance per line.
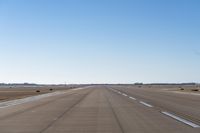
x=124, y=95
x=146, y=104
x=181, y=120
x=132, y=98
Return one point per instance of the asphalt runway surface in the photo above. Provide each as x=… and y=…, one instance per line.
x=103, y=109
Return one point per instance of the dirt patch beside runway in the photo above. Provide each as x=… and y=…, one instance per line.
x=189, y=90
x=11, y=93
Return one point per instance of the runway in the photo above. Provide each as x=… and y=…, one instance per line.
x=103, y=109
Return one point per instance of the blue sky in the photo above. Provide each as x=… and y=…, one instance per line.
x=99, y=41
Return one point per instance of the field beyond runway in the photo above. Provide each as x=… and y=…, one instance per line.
x=105, y=109
x=17, y=92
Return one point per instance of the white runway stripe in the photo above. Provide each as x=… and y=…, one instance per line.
x=181, y=120
x=146, y=104
x=124, y=95
x=132, y=98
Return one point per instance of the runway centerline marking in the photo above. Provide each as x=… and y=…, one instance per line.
x=124, y=95
x=181, y=120
x=146, y=104
x=132, y=98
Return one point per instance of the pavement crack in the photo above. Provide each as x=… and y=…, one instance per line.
x=115, y=115
x=66, y=111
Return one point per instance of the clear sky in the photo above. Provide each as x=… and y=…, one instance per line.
x=99, y=41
